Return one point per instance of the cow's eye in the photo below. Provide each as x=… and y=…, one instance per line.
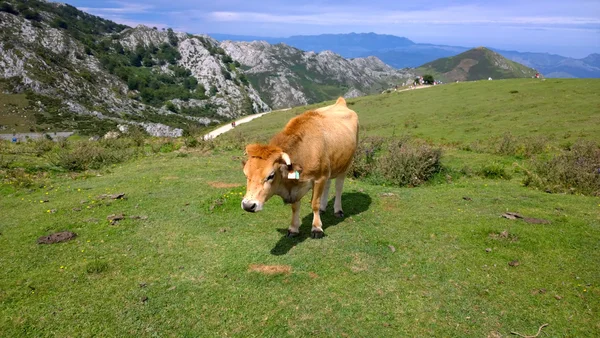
x=272, y=176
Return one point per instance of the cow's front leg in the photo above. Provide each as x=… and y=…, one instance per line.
x=337, y=205
x=317, y=230
x=294, y=229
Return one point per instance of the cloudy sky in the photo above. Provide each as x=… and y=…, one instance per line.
x=570, y=28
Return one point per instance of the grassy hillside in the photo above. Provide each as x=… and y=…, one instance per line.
x=560, y=109
x=475, y=64
x=435, y=261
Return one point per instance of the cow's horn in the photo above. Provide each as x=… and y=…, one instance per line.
x=287, y=160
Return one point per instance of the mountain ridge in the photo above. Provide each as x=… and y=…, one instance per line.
x=416, y=54
x=475, y=64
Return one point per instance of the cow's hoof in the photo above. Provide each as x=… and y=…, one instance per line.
x=291, y=234
x=316, y=234
x=339, y=214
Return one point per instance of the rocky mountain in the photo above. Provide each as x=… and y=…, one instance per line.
x=349, y=45
x=81, y=72
x=401, y=52
x=286, y=76
x=476, y=64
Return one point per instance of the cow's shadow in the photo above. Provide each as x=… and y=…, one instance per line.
x=353, y=203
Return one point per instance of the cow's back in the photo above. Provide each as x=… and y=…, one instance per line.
x=324, y=139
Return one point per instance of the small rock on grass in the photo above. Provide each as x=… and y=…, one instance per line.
x=514, y=263
x=392, y=248
x=115, y=218
x=511, y=215
x=488, y=250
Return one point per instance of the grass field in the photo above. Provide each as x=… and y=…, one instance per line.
x=460, y=113
x=426, y=261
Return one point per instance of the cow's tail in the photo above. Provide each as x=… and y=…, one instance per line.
x=340, y=101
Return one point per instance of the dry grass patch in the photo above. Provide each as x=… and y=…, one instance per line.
x=224, y=185
x=270, y=269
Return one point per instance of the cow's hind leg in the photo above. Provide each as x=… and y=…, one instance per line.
x=317, y=229
x=337, y=205
x=294, y=229
x=325, y=196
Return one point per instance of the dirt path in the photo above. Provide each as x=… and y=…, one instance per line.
x=228, y=127
x=417, y=87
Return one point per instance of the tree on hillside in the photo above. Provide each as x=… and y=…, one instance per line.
x=172, y=37
x=6, y=7
x=428, y=79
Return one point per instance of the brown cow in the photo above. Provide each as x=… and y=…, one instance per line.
x=312, y=149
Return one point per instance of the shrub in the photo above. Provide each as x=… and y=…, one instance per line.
x=409, y=163
x=191, y=142
x=42, y=146
x=365, y=163
x=17, y=177
x=93, y=155
x=96, y=267
x=574, y=171
x=494, y=171
x=521, y=147
x=403, y=163
x=8, y=8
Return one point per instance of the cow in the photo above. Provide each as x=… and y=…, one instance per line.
x=311, y=150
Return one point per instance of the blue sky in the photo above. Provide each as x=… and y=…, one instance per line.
x=570, y=28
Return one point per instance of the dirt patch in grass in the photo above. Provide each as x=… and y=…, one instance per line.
x=224, y=185
x=57, y=237
x=504, y=235
x=270, y=269
x=530, y=220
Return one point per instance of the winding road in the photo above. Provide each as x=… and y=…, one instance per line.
x=228, y=127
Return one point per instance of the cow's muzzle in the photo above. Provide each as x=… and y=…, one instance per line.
x=250, y=205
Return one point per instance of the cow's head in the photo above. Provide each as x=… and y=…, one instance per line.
x=264, y=170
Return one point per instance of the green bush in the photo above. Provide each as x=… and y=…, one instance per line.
x=18, y=177
x=191, y=142
x=520, y=147
x=8, y=8
x=96, y=266
x=409, y=163
x=85, y=155
x=494, y=171
x=365, y=163
x=402, y=162
x=572, y=171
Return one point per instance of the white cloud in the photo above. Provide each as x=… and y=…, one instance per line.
x=459, y=15
x=120, y=8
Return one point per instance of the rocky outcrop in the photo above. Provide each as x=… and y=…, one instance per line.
x=48, y=61
x=286, y=76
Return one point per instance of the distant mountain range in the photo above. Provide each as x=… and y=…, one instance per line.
x=401, y=52
x=475, y=64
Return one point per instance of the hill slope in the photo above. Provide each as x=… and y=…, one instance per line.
x=475, y=64
x=559, y=109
